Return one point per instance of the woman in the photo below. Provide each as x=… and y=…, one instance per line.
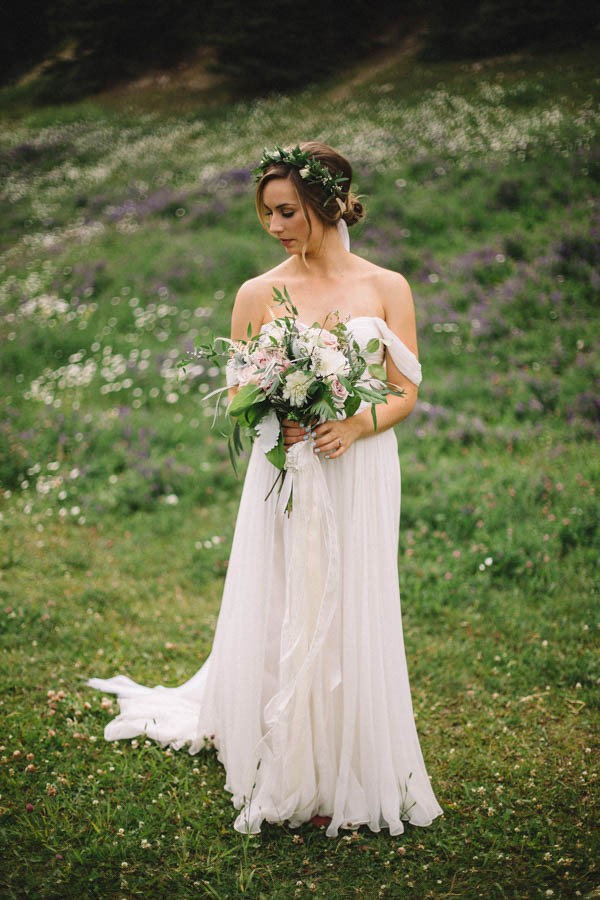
x=306, y=694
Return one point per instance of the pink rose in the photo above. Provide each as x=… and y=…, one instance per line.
x=338, y=391
x=328, y=340
x=261, y=359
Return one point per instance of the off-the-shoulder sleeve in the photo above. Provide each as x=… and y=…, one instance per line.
x=403, y=358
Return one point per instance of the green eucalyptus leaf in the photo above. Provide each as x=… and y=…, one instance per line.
x=255, y=413
x=237, y=439
x=374, y=415
x=234, y=446
x=377, y=371
x=373, y=396
x=351, y=405
x=246, y=397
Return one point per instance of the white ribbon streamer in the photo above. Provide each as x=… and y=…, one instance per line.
x=343, y=233
x=312, y=584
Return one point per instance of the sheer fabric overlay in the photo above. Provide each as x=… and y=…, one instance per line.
x=305, y=694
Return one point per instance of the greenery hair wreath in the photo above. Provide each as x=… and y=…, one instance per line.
x=309, y=168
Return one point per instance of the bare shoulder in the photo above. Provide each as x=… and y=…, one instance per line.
x=247, y=309
x=249, y=292
x=395, y=297
x=394, y=286
x=391, y=288
x=255, y=289
x=252, y=303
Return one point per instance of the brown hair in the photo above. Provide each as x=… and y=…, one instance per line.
x=323, y=205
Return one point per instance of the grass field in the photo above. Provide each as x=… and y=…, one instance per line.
x=125, y=232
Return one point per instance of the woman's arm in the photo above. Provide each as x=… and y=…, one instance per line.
x=248, y=310
x=248, y=313
x=400, y=317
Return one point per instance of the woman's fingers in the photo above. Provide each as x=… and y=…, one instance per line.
x=327, y=439
x=292, y=429
x=329, y=442
x=293, y=432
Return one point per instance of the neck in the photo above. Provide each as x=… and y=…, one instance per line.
x=330, y=260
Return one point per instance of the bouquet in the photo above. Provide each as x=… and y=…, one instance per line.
x=292, y=371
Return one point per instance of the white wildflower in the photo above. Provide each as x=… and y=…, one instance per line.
x=296, y=387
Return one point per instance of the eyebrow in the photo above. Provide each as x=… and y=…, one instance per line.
x=280, y=205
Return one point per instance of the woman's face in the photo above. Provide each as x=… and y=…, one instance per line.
x=285, y=218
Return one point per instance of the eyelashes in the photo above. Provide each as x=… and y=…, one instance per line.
x=285, y=215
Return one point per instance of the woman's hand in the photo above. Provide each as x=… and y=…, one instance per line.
x=294, y=432
x=331, y=439
x=335, y=436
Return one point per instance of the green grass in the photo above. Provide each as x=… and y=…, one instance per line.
x=125, y=237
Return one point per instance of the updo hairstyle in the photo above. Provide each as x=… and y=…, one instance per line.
x=325, y=207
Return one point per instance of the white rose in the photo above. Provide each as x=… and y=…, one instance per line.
x=327, y=361
x=298, y=348
x=303, y=345
x=271, y=330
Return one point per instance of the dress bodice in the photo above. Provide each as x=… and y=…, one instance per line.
x=364, y=328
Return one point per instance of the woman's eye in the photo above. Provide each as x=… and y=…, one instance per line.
x=288, y=215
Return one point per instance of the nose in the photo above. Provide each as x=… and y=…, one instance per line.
x=275, y=226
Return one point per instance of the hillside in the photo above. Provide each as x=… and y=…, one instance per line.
x=126, y=228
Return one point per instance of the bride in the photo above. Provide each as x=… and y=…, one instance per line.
x=305, y=694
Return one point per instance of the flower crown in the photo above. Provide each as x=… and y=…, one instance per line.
x=310, y=169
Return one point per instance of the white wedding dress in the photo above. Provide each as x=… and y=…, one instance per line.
x=305, y=694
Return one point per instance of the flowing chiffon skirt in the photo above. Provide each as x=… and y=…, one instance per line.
x=305, y=694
